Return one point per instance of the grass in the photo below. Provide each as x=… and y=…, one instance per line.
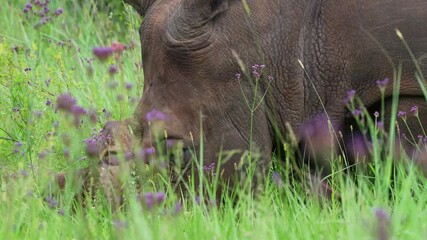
x=59, y=51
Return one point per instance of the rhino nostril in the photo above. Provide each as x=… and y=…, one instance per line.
x=110, y=153
x=110, y=158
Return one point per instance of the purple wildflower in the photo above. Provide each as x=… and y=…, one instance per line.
x=38, y=114
x=350, y=96
x=48, y=102
x=358, y=147
x=41, y=14
x=18, y=144
x=92, y=148
x=58, y=12
x=160, y=197
x=118, y=47
x=78, y=111
x=270, y=78
x=128, y=86
x=42, y=154
x=51, y=201
x=376, y=114
x=382, y=224
x=238, y=76
x=317, y=136
x=401, y=114
x=277, y=179
x=112, y=70
x=102, y=53
x=149, y=199
x=256, y=71
x=178, y=207
x=145, y=153
x=357, y=112
x=414, y=111
x=209, y=168
x=28, y=7
x=65, y=102
x=155, y=115
x=43, y=21
x=24, y=173
x=382, y=84
x=129, y=155
x=170, y=143
x=150, y=151
x=61, y=212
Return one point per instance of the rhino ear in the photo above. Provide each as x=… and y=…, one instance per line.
x=209, y=8
x=140, y=6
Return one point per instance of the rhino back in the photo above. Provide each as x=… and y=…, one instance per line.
x=343, y=45
x=377, y=49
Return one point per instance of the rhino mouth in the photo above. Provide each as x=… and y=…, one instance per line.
x=110, y=158
x=178, y=159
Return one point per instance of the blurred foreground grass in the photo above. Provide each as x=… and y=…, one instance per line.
x=39, y=61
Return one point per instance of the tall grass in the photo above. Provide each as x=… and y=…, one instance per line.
x=37, y=141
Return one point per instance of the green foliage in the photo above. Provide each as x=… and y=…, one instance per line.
x=62, y=51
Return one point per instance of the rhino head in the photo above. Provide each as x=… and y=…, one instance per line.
x=191, y=54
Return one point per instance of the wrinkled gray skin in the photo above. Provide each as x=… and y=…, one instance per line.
x=189, y=68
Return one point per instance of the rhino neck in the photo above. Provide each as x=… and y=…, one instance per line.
x=285, y=46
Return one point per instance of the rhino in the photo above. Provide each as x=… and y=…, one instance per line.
x=200, y=59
